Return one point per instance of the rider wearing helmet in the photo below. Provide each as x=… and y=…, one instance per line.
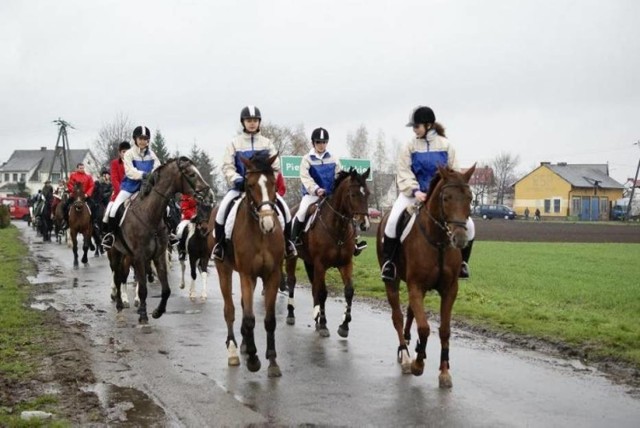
x=318, y=170
x=246, y=144
x=139, y=162
x=417, y=164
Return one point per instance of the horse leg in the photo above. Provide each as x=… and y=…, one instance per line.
x=291, y=285
x=192, y=271
x=416, y=300
x=139, y=267
x=204, y=262
x=319, y=289
x=115, y=262
x=183, y=268
x=86, y=240
x=74, y=247
x=393, y=297
x=247, y=285
x=346, y=273
x=160, y=262
x=446, y=306
x=224, y=274
x=271, y=286
x=407, y=325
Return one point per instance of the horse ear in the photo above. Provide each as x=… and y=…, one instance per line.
x=366, y=173
x=467, y=175
x=245, y=161
x=273, y=158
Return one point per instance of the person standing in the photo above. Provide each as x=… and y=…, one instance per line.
x=249, y=142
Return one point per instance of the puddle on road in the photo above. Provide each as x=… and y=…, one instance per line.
x=128, y=406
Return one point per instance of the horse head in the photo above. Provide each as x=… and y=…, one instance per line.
x=352, y=196
x=79, y=198
x=449, y=203
x=193, y=183
x=260, y=189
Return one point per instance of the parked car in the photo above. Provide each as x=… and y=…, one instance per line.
x=374, y=213
x=488, y=212
x=18, y=207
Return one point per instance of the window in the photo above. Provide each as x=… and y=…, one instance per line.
x=15, y=177
x=547, y=206
x=556, y=205
x=23, y=177
x=6, y=177
x=575, y=205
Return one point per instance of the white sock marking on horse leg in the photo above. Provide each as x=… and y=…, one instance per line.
x=291, y=302
x=204, y=286
x=316, y=311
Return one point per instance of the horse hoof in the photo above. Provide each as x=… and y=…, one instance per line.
x=274, y=371
x=243, y=348
x=233, y=361
x=406, y=368
x=343, y=332
x=323, y=331
x=156, y=313
x=113, y=297
x=291, y=320
x=136, y=303
x=75, y=265
x=125, y=305
x=143, y=320
x=445, y=380
x=417, y=368
x=182, y=286
x=253, y=363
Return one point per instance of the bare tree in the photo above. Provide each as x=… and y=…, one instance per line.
x=358, y=143
x=286, y=140
x=504, y=166
x=110, y=136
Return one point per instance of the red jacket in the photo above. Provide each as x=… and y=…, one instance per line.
x=188, y=206
x=281, y=186
x=117, y=174
x=84, y=179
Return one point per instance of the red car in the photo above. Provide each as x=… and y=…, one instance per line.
x=18, y=207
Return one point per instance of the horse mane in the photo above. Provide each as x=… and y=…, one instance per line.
x=260, y=161
x=340, y=178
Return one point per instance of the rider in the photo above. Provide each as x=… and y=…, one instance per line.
x=86, y=182
x=246, y=144
x=138, y=163
x=188, y=209
x=117, y=175
x=57, y=195
x=417, y=164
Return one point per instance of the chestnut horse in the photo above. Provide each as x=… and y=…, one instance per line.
x=143, y=235
x=430, y=259
x=330, y=242
x=257, y=250
x=80, y=222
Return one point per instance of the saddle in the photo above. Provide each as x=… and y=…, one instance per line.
x=232, y=211
x=406, y=221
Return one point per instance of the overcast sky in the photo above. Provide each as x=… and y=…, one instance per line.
x=546, y=80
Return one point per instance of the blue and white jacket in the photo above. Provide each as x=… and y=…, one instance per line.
x=318, y=171
x=419, y=159
x=247, y=145
x=136, y=162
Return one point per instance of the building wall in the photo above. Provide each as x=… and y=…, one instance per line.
x=542, y=184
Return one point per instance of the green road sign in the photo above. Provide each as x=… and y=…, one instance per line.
x=290, y=166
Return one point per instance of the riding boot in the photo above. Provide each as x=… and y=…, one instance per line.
x=466, y=254
x=218, y=250
x=289, y=247
x=360, y=245
x=182, y=245
x=109, y=238
x=296, y=230
x=389, y=246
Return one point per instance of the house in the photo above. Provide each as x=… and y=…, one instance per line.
x=27, y=170
x=482, y=183
x=583, y=192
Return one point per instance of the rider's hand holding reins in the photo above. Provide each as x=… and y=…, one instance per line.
x=320, y=191
x=421, y=196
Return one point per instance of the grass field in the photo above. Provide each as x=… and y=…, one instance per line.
x=587, y=295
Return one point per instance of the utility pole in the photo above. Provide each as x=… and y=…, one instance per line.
x=61, y=151
x=633, y=185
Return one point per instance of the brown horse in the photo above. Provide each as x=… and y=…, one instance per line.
x=80, y=222
x=143, y=234
x=257, y=245
x=430, y=259
x=330, y=243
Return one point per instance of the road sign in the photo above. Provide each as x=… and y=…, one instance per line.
x=290, y=166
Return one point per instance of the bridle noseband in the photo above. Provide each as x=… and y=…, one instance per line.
x=256, y=207
x=442, y=221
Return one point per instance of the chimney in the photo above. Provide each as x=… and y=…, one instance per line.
x=562, y=164
x=545, y=163
x=43, y=149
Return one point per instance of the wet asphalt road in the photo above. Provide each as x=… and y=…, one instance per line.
x=176, y=374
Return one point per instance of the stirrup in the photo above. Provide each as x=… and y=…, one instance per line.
x=290, y=250
x=359, y=247
x=107, y=241
x=464, y=271
x=218, y=252
x=388, y=271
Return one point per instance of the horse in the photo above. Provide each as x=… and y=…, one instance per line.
x=45, y=224
x=143, y=236
x=198, y=248
x=256, y=250
x=330, y=242
x=60, y=226
x=80, y=222
x=430, y=259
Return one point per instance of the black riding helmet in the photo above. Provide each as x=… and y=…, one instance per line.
x=124, y=146
x=421, y=114
x=250, y=112
x=141, y=131
x=319, y=134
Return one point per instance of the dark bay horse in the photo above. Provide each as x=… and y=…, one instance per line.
x=59, y=224
x=430, y=259
x=330, y=242
x=80, y=223
x=143, y=234
x=45, y=223
x=257, y=245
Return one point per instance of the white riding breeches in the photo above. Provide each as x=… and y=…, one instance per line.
x=285, y=207
x=123, y=195
x=181, y=227
x=305, y=203
x=224, y=204
x=107, y=210
x=401, y=204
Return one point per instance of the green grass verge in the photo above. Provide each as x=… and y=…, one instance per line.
x=21, y=334
x=587, y=295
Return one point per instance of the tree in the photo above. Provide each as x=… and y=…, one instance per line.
x=287, y=140
x=207, y=167
x=380, y=153
x=504, y=166
x=105, y=147
x=358, y=143
x=159, y=147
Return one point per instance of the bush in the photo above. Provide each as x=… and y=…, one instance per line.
x=5, y=217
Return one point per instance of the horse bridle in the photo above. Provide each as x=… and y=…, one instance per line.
x=256, y=207
x=198, y=194
x=344, y=220
x=443, y=223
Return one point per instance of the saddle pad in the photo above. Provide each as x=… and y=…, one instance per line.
x=407, y=219
x=126, y=204
x=231, y=218
x=312, y=218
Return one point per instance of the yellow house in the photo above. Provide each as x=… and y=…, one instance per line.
x=584, y=192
